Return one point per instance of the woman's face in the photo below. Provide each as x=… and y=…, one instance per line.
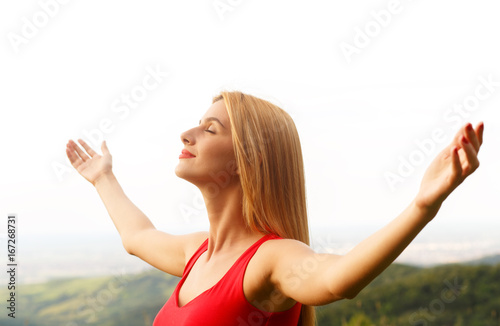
x=212, y=161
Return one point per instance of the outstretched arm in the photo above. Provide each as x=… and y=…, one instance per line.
x=164, y=251
x=97, y=169
x=345, y=276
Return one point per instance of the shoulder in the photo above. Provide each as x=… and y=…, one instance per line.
x=279, y=243
x=276, y=254
x=298, y=272
x=193, y=243
x=277, y=247
x=261, y=270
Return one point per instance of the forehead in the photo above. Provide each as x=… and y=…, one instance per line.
x=218, y=110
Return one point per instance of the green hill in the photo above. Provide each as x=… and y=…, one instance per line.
x=456, y=295
x=104, y=301
x=488, y=260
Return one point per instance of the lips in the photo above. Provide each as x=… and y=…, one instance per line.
x=186, y=154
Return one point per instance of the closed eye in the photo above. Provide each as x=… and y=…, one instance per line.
x=210, y=131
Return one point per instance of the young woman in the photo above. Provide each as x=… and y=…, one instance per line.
x=254, y=265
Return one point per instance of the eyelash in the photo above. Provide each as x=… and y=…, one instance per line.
x=210, y=131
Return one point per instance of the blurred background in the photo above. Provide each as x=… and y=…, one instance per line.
x=376, y=88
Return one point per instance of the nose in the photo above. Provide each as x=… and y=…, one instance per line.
x=187, y=138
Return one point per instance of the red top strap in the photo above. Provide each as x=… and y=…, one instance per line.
x=225, y=302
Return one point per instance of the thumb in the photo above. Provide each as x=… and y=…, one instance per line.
x=104, y=147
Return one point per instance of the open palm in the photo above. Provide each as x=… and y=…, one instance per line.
x=90, y=164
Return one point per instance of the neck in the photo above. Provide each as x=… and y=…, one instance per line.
x=228, y=230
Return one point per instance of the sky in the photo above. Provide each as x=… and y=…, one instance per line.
x=376, y=88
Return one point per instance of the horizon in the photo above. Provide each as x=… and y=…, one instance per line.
x=103, y=254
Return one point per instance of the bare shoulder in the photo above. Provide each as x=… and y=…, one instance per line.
x=269, y=268
x=274, y=254
x=276, y=248
x=193, y=241
x=295, y=271
x=165, y=251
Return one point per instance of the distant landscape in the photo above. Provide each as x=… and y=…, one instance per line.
x=44, y=258
x=465, y=294
x=91, y=280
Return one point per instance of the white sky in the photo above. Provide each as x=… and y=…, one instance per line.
x=357, y=120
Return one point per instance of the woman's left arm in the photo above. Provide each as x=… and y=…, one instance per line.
x=345, y=276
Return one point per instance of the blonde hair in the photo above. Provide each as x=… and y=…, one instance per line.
x=269, y=158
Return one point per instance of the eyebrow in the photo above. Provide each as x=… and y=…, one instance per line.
x=213, y=119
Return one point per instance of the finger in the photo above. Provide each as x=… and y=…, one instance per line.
x=458, y=136
x=479, y=132
x=104, y=147
x=75, y=160
x=456, y=165
x=71, y=147
x=81, y=153
x=469, y=132
x=471, y=162
x=87, y=148
x=471, y=136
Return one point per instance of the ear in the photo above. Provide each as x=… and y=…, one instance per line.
x=232, y=167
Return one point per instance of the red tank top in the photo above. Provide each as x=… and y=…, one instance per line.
x=224, y=304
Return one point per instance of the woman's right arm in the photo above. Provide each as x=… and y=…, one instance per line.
x=139, y=236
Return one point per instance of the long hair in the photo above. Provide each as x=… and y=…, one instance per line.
x=269, y=158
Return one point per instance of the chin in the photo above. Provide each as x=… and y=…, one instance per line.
x=183, y=174
x=178, y=172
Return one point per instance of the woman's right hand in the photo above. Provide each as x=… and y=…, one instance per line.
x=90, y=167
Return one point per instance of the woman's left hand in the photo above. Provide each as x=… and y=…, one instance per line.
x=450, y=168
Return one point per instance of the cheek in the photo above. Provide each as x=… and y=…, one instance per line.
x=222, y=157
x=222, y=149
x=229, y=153
x=215, y=150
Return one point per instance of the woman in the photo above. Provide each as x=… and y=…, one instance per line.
x=250, y=267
